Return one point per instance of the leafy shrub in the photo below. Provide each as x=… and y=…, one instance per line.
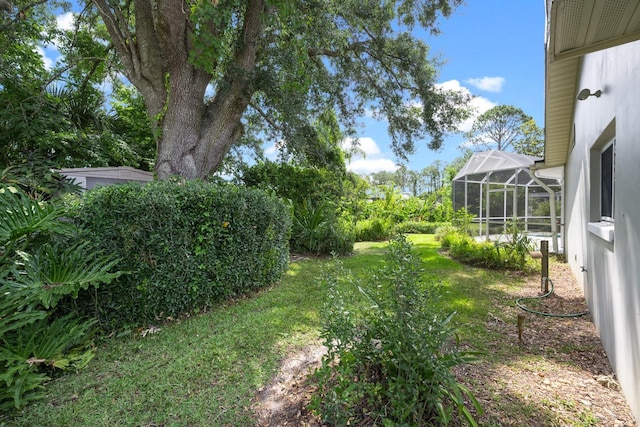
x=462, y=220
x=36, y=272
x=516, y=248
x=370, y=230
x=295, y=183
x=418, y=227
x=390, y=359
x=315, y=229
x=461, y=246
x=445, y=234
x=37, y=179
x=312, y=192
x=477, y=253
x=186, y=245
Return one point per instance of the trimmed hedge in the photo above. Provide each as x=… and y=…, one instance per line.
x=185, y=245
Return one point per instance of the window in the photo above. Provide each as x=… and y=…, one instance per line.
x=607, y=184
x=602, y=186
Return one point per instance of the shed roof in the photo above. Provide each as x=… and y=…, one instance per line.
x=119, y=172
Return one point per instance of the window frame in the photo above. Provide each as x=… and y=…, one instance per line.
x=609, y=183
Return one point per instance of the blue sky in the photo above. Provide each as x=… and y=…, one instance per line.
x=494, y=49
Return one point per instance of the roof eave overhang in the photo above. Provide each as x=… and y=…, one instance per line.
x=576, y=28
x=560, y=91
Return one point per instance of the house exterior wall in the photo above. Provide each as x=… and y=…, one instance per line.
x=611, y=280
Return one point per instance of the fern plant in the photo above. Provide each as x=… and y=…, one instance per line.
x=35, y=274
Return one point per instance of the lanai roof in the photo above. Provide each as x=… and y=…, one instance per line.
x=494, y=161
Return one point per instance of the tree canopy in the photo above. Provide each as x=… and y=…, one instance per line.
x=55, y=115
x=504, y=128
x=213, y=74
x=531, y=141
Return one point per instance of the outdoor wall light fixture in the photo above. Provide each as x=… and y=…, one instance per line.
x=585, y=93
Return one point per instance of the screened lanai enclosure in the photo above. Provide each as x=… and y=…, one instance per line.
x=500, y=188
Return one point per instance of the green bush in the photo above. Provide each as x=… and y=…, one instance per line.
x=295, y=183
x=313, y=194
x=390, y=358
x=37, y=271
x=445, y=234
x=463, y=221
x=480, y=254
x=511, y=254
x=371, y=230
x=317, y=230
x=418, y=227
x=185, y=245
x=38, y=179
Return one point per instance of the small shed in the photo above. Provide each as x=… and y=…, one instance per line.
x=87, y=178
x=498, y=187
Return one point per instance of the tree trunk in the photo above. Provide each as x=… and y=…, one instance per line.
x=192, y=137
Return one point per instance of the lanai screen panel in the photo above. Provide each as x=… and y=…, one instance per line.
x=496, y=187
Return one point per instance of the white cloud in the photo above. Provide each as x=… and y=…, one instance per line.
x=271, y=151
x=489, y=84
x=366, y=166
x=453, y=85
x=369, y=158
x=478, y=104
x=48, y=62
x=364, y=144
x=65, y=21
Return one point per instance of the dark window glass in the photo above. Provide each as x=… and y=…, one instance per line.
x=606, y=183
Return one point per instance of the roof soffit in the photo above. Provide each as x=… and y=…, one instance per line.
x=576, y=28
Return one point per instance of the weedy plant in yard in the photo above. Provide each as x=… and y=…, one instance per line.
x=516, y=249
x=390, y=358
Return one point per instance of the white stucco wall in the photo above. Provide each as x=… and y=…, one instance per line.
x=612, y=279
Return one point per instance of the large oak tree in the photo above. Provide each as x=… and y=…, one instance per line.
x=213, y=71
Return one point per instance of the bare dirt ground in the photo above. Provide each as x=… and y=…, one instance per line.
x=553, y=373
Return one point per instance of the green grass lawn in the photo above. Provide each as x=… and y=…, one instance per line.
x=205, y=370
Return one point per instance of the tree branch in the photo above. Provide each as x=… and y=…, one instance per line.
x=21, y=13
x=353, y=47
x=120, y=41
x=266, y=117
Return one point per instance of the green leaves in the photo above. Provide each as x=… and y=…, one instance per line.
x=313, y=193
x=186, y=245
x=511, y=254
x=22, y=218
x=57, y=272
x=36, y=273
x=58, y=344
x=390, y=355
